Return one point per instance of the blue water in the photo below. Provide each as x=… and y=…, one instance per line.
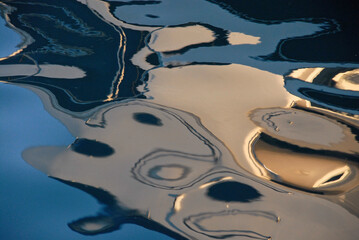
x=179, y=120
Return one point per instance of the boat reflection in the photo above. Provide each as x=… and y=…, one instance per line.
x=332, y=88
x=309, y=151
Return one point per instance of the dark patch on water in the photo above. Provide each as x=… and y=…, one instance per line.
x=153, y=59
x=92, y=148
x=68, y=34
x=152, y=16
x=233, y=192
x=147, y=118
x=334, y=99
x=339, y=43
x=282, y=144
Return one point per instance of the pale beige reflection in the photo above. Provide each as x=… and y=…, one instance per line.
x=102, y=8
x=237, y=38
x=346, y=80
x=305, y=129
x=175, y=38
x=43, y=70
x=306, y=74
x=222, y=97
x=164, y=171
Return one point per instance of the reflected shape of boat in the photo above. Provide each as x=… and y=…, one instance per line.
x=332, y=88
x=310, y=171
x=348, y=80
x=305, y=150
x=306, y=129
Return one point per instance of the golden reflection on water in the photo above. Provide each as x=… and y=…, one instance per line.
x=174, y=141
x=174, y=38
x=221, y=96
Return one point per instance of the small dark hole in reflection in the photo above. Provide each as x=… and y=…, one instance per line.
x=233, y=192
x=336, y=177
x=92, y=148
x=147, y=118
x=152, y=16
x=153, y=59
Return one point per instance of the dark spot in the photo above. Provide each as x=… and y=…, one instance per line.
x=233, y=192
x=152, y=16
x=92, y=148
x=153, y=59
x=147, y=118
x=334, y=178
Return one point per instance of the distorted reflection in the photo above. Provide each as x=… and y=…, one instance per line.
x=178, y=183
x=196, y=119
x=332, y=88
x=71, y=43
x=175, y=38
x=309, y=150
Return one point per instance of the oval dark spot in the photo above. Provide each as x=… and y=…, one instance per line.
x=92, y=148
x=233, y=192
x=152, y=16
x=147, y=118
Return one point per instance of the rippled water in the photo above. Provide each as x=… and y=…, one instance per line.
x=185, y=119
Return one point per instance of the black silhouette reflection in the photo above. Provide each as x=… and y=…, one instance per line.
x=82, y=59
x=337, y=44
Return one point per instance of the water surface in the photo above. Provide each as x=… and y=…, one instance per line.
x=179, y=120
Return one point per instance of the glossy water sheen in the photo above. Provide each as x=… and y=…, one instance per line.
x=185, y=119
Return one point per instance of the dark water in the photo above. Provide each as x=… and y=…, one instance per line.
x=185, y=119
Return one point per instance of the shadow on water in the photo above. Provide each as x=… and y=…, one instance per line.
x=198, y=119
